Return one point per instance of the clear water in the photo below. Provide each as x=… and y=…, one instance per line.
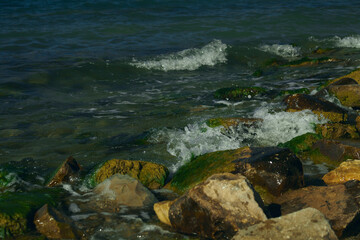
x=90, y=78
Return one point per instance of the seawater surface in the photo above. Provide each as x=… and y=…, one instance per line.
x=135, y=79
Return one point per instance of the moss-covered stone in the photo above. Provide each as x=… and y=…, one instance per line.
x=230, y=122
x=238, y=93
x=301, y=143
x=337, y=130
x=151, y=175
x=349, y=95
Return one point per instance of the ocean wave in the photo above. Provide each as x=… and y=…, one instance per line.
x=348, y=42
x=285, y=50
x=189, y=59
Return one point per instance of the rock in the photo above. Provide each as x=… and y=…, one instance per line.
x=271, y=171
x=305, y=224
x=355, y=75
x=151, y=175
x=339, y=203
x=162, y=211
x=238, y=93
x=305, y=62
x=349, y=95
x=347, y=171
x=123, y=190
x=232, y=122
x=294, y=91
x=68, y=169
x=54, y=224
x=217, y=207
x=337, y=130
x=325, y=109
x=344, y=81
x=302, y=143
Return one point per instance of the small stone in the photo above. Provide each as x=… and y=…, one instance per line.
x=68, y=169
x=347, y=171
x=162, y=211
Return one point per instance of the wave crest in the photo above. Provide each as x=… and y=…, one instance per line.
x=285, y=50
x=349, y=42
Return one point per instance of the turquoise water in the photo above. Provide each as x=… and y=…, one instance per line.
x=135, y=79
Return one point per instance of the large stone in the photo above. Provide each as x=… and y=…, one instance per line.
x=271, y=171
x=324, y=109
x=347, y=171
x=68, y=169
x=123, y=190
x=349, y=95
x=339, y=203
x=151, y=175
x=54, y=224
x=305, y=224
x=238, y=93
x=217, y=208
x=337, y=130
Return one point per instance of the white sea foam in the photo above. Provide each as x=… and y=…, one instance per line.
x=348, y=42
x=285, y=50
x=74, y=208
x=189, y=59
x=197, y=139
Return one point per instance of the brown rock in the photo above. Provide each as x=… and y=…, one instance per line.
x=305, y=224
x=344, y=81
x=326, y=109
x=123, y=190
x=218, y=207
x=339, y=203
x=347, y=171
x=349, y=95
x=337, y=130
x=162, y=211
x=355, y=75
x=68, y=169
x=53, y=224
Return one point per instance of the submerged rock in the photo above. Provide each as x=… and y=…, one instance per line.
x=68, y=169
x=305, y=224
x=337, y=130
x=152, y=175
x=123, y=190
x=339, y=203
x=217, y=208
x=238, y=93
x=305, y=62
x=347, y=171
x=324, y=109
x=232, y=122
x=349, y=95
x=271, y=170
x=54, y=224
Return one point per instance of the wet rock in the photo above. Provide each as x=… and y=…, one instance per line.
x=305, y=224
x=68, y=169
x=217, y=207
x=162, y=211
x=238, y=93
x=355, y=75
x=347, y=171
x=339, y=203
x=344, y=81
x=151, y=175
x=349, y=95
x=302, y=143
x=324, y=109
x=123, y=190
x=54, y=224
x=305, y=62
x=232, y=122
x=337, y=130
x=271, y=171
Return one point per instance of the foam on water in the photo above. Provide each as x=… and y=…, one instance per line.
x=285, y=50
x=349, y=42
x=189, y=59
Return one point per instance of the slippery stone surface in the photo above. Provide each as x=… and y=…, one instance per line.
x=123, y=190
x=305, y=224
x=271, y=171
x=349, y=95
x=347, y=171
x=337, y=130
x=151, y=175
x=67, y=169
x=339, y=203
x=238, y=93
x=217, y=207
x=325, y=109
x=53, y=224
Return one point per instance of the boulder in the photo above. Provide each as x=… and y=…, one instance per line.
x=151, y=175
x=355, y=75
x=349, y=95
x=238, y=93
x=68, y=169
x=337, y=130
x=270, y=170
x=217, y=208
x=339, y=203
x=54, y=224
x=323, y=109
x=123, y=190
x=305, y=224
x=347, y=171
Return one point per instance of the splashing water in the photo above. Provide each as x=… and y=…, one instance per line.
x=285, y=51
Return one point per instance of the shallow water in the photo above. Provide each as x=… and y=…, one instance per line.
x=93, y=79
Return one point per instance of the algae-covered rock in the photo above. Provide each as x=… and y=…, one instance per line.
x=355, y=75
x=270, y=170
x=151, y=175
x=17, y=209
x=231, y=122
x=349, y=95
x=68, y=169
x=302, y=143
x=347, y=171
x=238, y=93
x=337, y=130
x=323, y=109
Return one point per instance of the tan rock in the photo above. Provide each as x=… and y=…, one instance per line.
x=305, y=224
x=355, y=75
x=64, y=173
x=349, y=95
x=337, y=130
x=218, y=207
x=349, y=170
x=123, y=190
x=162, y=211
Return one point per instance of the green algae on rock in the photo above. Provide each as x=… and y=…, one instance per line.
x=337, y=130
x=348, y=95
x=151, y=175
x=302, y=143
x=65, y=171
x=238, y=93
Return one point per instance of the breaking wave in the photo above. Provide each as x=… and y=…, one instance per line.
x=285, y=50
x=348, y=42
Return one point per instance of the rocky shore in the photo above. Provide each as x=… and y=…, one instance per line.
x=245, y=193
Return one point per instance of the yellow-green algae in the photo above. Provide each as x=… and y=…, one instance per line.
x=337, y=130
